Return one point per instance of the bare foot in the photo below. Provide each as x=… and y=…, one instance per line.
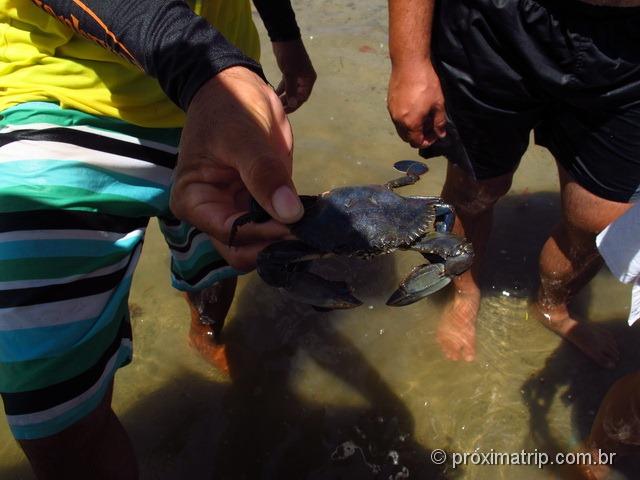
x=457, y=330
x=201, y=338
x=595, y=342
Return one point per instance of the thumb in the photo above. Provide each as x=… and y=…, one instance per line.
x=269, y=182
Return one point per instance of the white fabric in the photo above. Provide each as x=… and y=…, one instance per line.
x=619, y=245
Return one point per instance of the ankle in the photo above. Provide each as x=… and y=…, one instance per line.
x=466, y=286
x=549, y=312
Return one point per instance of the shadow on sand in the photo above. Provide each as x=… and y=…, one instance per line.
x=272, y=433
x=256, y=426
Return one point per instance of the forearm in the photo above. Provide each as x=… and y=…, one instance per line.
x=162, y=37
x=415, y=100
x=279, y=19
x=410, y=23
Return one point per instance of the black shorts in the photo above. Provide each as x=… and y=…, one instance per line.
x=565, y=69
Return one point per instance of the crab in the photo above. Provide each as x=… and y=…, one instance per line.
x=364, y=221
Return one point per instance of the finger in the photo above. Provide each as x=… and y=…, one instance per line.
x=287, y=93
x=291, y=91
x=440, y=121
x=268, y=179
x=217, y=220
x=414, y=135
x=274, y=191
x=241, y=258
x=416, y=138
x=402, y=131
x=288, y=103
x=303, y=92
x=430, y=138
x=254, y=232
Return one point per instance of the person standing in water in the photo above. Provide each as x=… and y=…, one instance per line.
x=569, y=71
x=114, y=112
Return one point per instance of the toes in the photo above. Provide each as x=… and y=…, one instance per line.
x=469, y=353
x=450, y=349
x=468, y=349
x=456, y=348
x=451, y=353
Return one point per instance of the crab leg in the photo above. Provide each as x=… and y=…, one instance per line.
x=412, y=169
x=408, y=179
x=449, y=256
x=284, y=265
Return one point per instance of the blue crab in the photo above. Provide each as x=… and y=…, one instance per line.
x=364, y=221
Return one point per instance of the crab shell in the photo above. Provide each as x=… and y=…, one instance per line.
x=365, y=221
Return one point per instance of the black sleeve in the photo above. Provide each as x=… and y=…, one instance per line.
x=165, y=38
x=279, y=19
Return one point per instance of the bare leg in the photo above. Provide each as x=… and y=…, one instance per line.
x=616, y=429
x=569, y=259
x=473, y=201
x=96, y=447
x=209, y=310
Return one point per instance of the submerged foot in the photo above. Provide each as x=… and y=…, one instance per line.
x=457, y=330
x=595, y=342
x=202, y=339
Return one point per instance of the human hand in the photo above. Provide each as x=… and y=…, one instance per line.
x=236, y=143
x=298, y=75
x=416, y=104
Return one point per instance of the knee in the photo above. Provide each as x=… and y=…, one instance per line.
x=473, y=198
x=585, y=212
x=473, y=207
x=474, y=202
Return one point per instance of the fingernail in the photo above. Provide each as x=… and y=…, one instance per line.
x=286, y=204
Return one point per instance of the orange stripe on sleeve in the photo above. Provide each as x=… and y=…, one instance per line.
x=117, y=42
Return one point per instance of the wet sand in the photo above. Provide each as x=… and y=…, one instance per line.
x=366, y=393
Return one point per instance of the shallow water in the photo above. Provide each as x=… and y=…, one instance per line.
x=366, y=393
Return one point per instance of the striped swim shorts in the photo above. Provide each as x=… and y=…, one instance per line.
x=76, y=195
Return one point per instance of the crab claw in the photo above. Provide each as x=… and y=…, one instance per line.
x=422, y=281
x=320, y=293
x=413, y=166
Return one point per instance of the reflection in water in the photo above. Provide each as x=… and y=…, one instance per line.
x=364, y=393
